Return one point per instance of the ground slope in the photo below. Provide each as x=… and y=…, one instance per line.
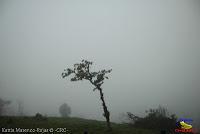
x=66, y=125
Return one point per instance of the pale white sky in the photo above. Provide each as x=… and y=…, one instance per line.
x=153, y=47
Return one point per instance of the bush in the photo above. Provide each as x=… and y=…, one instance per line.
x=155, y=119
x=39, y=116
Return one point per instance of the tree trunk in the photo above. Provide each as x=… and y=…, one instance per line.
x=106, y=112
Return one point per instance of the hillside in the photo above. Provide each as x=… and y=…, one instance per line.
x=65, y=125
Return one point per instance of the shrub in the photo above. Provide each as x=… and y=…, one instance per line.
x=155, y=119
x=40, y=117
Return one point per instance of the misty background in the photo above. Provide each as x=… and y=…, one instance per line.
x=152, y=46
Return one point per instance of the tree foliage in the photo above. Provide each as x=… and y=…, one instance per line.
x=82, y=71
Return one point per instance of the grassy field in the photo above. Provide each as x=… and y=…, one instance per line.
x=66, y=125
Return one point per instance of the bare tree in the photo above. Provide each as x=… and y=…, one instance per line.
x=81, y=71
x=3, y=103
x=20, y=107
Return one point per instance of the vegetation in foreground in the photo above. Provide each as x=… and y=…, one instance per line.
x=69, y=125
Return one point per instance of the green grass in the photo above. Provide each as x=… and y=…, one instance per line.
x=72, y=125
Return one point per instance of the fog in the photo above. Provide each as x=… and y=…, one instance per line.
x=152, y=46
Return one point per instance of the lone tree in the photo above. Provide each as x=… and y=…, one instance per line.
x=65, y=110
x=81, y=71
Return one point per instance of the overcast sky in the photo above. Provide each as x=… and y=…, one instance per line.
x=153, y=47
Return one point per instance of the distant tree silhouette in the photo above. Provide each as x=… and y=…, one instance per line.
x=81, y=71
x=3, y=103
x=65, y=110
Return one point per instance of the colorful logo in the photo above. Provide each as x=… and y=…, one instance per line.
x=184, y=125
